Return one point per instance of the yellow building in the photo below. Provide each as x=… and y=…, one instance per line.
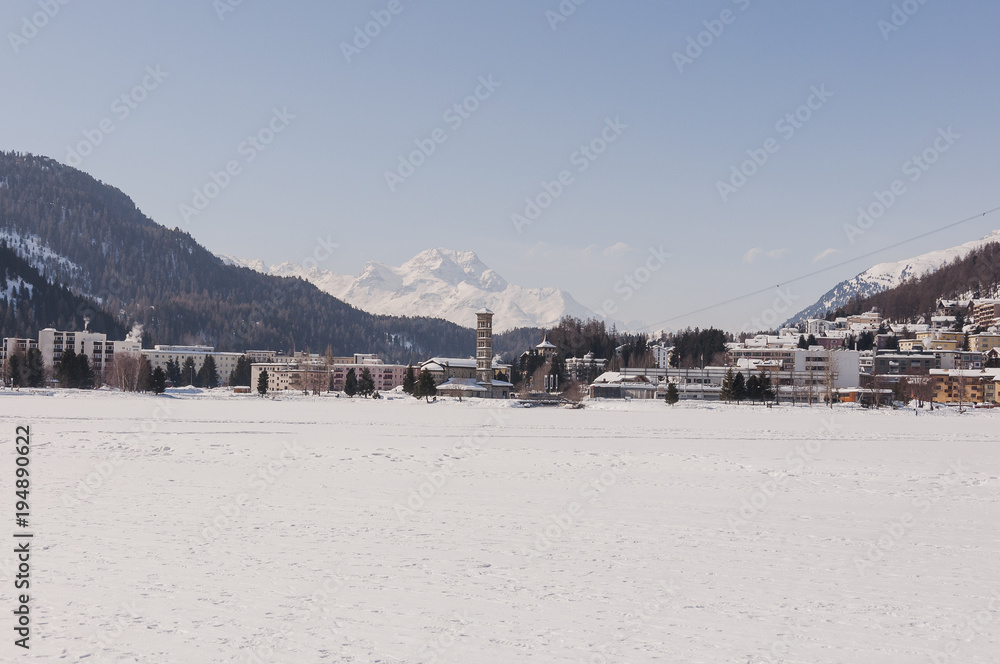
x=939, y=340
x=965, y=386
x=983, y=342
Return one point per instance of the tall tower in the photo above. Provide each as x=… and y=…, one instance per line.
x=484, y=347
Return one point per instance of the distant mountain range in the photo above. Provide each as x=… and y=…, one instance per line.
x=104, y=256
x=438, y=282
x=887, y=276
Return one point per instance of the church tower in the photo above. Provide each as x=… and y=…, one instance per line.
x=484, y=347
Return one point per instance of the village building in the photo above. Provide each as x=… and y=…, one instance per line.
x=482, y=377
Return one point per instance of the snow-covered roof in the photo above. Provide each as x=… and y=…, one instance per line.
x=439, y=363
x=484, y=310
x=461, y=385
x=992, y=374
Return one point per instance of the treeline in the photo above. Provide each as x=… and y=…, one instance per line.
x=697, y=348
x=575, y=338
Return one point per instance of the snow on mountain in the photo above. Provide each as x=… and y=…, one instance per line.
x=47, y=262
x=256, y=265
x=440, y=283
x=889, y=275
x=14, y=285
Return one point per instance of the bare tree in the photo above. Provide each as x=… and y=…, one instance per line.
x=128, y=372
x=921, y=387
x=830, y=376
x=962, y=382
x=574, y=391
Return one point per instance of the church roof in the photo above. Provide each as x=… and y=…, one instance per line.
x=546, y=344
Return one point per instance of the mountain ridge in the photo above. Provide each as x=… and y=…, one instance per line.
x=451, y=283
x=886, y=276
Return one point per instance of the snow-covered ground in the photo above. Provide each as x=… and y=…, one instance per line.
x=211, y=528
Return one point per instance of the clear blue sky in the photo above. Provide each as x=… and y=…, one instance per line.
x=655, y=185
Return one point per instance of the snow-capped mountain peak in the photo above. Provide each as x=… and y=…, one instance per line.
x=440, y=283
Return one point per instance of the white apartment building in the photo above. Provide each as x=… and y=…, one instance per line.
x=661, y=355
x=808, y=366
x=95, y=345
x=13, y=346
x=224, y=362
x=295, y=373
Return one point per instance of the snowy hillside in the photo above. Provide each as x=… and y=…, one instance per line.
x=440, y=283
x=32, y=249
x=889, y=275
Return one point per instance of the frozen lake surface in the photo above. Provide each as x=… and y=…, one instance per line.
x=213, y=528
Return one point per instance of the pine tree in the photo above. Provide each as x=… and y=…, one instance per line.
x=366, y=386
x=262, y=383
x=174, y=372
x=425, y=386
x=811, y=341
x=766, y=389
x=241, y=374
x=208, y=376
x=85, y=373
x=15, y=366
x=409, y=380
x=803, y=344
x=753, y=389
x=34, y=369
x=158, y=383
x=727, y=386
x=673, y=396
x=68, y=370
x=188, y=375
x=739, y=388
x=351, y=383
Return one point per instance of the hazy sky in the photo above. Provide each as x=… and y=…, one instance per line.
x=663, y=118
